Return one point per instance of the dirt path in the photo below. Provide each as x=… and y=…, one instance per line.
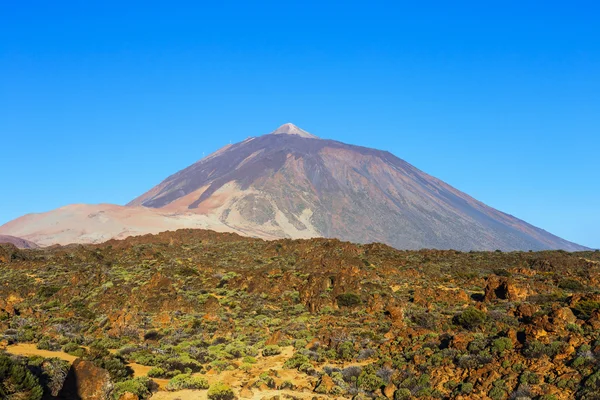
x=201, y=395
x=30, y=349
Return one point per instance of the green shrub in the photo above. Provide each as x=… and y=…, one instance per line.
x=585, y=308
x=529, y=378
x=593, y=382
x=72, y=348
x=300, y=344
x=497, y=393
x=271, y=350
x=571, y=284
x=500, y=345
x=534, y=349
x=296, y=361
x=402, y=394
x=17, y=382
x=348, y=300
x=578, y=362
x=157, y=372
x=220, y=391
x=249, y=360
x=471, y=318
x=140, y=386
x=114, y=364
x=187, y=381
x=47, y=291
x=369, y=382
x=307, y=368
x=466, y=388
x=345, y=351
x=53, y=373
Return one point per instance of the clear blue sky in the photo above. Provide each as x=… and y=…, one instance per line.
x=101, y=100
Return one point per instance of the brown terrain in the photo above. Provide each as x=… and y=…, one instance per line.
x=291, y=184
x=171, y=315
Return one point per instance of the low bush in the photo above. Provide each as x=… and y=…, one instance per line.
x=345, y=351
x=585, y=308
x=187, y=381
x=73, y=349
x=348, y=300
x=17, y=382
x=402, y=394
x=220, y=391
x=271, y=350
x=141, y=386
x=369, y=382
x=500, y=345
x=471, y=318
x=571, y=284
x=157, y=372
x=296, y=361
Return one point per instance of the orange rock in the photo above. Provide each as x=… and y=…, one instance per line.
x=460, y=341
x=512, y=335
x=246, y=393
x=86, y=382
x=274, y=339
x=503, y=289
x=526, y=310
x=389, y=390
x=564, y=315
x=129, y=396
x=396, y=314
x=427, y=296
x=594, y=320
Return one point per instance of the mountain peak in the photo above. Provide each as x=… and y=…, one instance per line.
x=291, y=129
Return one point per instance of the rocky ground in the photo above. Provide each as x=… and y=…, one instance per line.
x=195, y=314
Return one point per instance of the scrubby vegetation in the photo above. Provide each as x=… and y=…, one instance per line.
x=142, y=387
x=220, y=391
x=347, y=320
x=187, y=381
x=16, y=381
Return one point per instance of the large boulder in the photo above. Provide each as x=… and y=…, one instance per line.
x=396, y=315
x=501, y=288
x=564, y=315
x=86, y=381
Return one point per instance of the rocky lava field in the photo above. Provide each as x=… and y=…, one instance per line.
x=199, y=314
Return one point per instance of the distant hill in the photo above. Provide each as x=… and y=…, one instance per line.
x=292, y=184
x=20, y=243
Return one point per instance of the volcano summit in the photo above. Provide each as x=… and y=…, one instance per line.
x=290, y=183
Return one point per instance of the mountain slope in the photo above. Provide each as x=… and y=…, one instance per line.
x=291, y=183
x=18, y=242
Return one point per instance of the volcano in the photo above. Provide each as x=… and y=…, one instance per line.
x=292, y=184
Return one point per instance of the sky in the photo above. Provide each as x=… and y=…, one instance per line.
x=101, y=100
